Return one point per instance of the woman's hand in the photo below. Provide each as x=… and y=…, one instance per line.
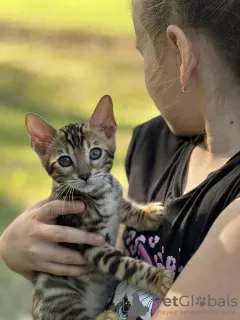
x=30, y=243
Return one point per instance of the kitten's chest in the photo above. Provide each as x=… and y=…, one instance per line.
x=70, y=220
x=102, y=219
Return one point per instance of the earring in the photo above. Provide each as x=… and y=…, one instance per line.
x=185, y=89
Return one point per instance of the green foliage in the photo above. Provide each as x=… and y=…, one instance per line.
x=105, y=16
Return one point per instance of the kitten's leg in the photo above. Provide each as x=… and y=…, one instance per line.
x=112, y=261
x=108, y=315
x=142, y=217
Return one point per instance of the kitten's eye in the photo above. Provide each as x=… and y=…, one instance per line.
x=95, y=153
x=65, y=161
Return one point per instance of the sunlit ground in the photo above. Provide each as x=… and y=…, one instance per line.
x=58, y=61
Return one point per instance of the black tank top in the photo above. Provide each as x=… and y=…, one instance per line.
x=155, y=167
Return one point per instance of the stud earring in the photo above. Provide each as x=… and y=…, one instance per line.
x=185, y=89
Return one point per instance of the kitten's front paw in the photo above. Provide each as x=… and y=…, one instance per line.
x=164, y=283
x=108, y=315
x=153, y=215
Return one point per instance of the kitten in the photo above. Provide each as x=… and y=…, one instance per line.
x=79, y=158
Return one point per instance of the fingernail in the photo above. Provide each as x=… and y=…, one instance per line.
x=99, y=239
x=87, y=270
x=79, y=205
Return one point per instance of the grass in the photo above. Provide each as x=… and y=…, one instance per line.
x=62, y=82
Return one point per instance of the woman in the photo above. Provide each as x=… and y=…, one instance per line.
x=188, y=158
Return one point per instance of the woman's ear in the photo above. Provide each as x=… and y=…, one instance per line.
x=41, y=133
x=103, y=119
x=184, y=49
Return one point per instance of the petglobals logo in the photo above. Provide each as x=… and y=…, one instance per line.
x=201, y=301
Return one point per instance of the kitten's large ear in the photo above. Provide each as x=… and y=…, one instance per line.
x=40, y=132
x=103, y=117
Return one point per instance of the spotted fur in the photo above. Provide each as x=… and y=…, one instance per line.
x=85, y=297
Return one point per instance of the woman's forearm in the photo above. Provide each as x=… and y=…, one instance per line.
x=212, y=274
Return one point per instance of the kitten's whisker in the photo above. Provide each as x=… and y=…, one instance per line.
x=68, y=189
x=55, y=194
x=58, y=195
x=72, y=190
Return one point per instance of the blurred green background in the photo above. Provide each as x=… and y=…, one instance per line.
x=57, y=59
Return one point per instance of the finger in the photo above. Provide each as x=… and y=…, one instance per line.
x=56, y=233
x=58, y=254
x=64, y=270
x=53, y=209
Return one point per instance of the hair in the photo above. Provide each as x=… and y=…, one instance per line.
x=217, y=20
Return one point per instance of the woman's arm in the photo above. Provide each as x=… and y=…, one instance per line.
x=213, y=273
x=30, y=243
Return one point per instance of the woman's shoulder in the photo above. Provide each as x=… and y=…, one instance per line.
x=154, y=135
x=152, y=126
x=152, y=147
x=145, y=135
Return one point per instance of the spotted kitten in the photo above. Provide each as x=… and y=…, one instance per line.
x=78, y=158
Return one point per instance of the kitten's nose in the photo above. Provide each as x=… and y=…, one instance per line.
x=84, y=176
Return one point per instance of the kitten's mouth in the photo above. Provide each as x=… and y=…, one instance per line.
x=80, y=185
x=74, y=194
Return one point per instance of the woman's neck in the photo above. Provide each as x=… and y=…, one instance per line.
x=220, y=99
x=222, y=127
